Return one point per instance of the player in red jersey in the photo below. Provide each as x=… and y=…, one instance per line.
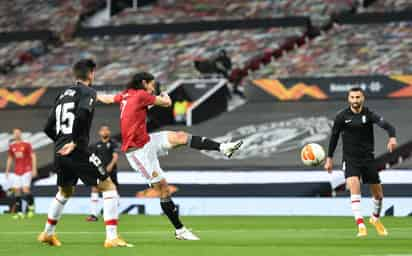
x=142, y=149
x=25, y=168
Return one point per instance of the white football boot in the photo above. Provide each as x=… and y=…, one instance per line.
x=230, y=147
x=185, y=234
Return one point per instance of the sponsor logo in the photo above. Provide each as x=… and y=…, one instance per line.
x=295, y=92
x=19, y=98
x=373, y=86
x=404, y=92
x=348, y=121
x=267, y=139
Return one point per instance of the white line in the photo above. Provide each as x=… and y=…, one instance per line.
x=200, y=231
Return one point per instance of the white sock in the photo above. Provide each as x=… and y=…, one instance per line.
x=55, y=212
x=94, y=202
x=110, y=213
x=355, y=202
x=377, y=207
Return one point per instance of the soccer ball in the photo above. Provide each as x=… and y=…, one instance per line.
x=312, y=154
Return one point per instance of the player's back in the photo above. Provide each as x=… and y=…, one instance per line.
x=133, y=114
x=72, y=116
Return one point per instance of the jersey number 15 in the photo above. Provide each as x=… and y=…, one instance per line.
x=65, y=118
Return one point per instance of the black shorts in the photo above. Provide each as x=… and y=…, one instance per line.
x=365, y=170
x=81, y=165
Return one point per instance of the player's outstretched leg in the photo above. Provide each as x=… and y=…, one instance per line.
x=94, y=203
x=111, y=215
x=170, y=210
x=377, y=193
x=48, y=236
x=354, y=187
x=202, y=143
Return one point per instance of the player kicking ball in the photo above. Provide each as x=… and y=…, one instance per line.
x=68, y=126
x=142, y=149
x=355, y=123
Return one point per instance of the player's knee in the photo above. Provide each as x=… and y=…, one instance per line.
x=106, y=185
x=66, y=191
x=178, y=138
x=95, y=189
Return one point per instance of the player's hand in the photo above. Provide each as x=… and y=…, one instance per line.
x=328, y=165
x=67, y=149
x=34, y=174
x=392, y=143
x=109, y=168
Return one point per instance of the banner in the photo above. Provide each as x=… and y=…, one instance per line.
x=327, y=88
x=41, y=97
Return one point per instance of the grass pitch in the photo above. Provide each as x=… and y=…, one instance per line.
x=251, y=236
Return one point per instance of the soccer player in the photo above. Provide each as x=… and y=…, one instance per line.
x=25, y=168
x=106, y=149
x=355, y=123
x=142, y=149
x=68, y=126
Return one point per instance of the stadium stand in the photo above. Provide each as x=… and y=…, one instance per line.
x=388, y=5
x=349, y=50
x=166, y=11
x=169, y=56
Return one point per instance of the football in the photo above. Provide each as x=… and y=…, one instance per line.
x=312, y=154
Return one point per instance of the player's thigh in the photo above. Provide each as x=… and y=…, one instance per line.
x=351, y=169
x=113, y=177
x=17, y=182
x=66, y=171
x=370, y=174
x=141, y=161
x=26, y=182
x=159, y=141
x=90, y=169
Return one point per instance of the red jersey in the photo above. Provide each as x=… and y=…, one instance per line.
x=133, y=114
x=21, y=153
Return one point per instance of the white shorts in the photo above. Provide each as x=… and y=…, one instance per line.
x=145, y=160
x=20, y=181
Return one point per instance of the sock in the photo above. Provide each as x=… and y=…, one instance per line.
x=55, y=212
x=170, y=210
x=18, y=204
x=377, y=208
x=110, y=213
x=203, y=143
x=94, y=201
x=30, y=201
x=355, y=199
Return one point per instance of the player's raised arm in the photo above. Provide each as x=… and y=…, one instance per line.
x=163, y=100
x=106, y=99
x=389, y=128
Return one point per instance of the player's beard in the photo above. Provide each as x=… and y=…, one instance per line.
x=105, y=137
x=356, y=105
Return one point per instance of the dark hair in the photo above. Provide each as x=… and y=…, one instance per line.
x=83, y=68
x=137, y=80
x=356, y=89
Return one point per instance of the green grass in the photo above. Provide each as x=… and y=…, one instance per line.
x=252, y=236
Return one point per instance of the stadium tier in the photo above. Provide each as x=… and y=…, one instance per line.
x=389, y=5
x=60, y=16
x=186, y=11
x=349, y=50
x=169, y=56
